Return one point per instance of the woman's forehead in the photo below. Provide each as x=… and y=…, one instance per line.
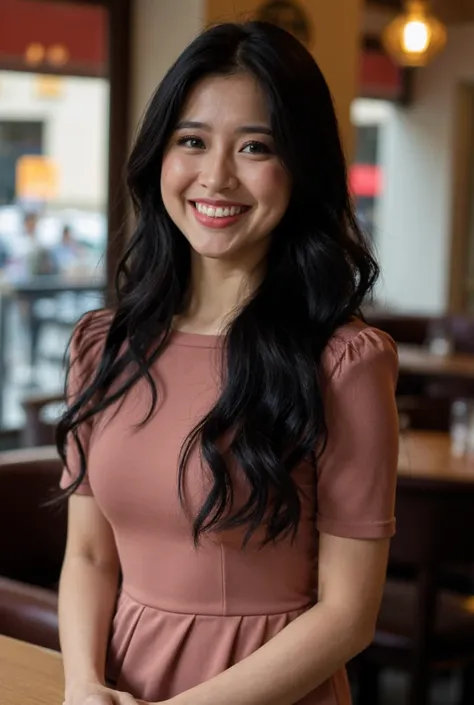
x=236, y=98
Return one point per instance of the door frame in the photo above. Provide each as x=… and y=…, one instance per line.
x=461, y=199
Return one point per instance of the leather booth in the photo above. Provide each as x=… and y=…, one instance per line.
x=32, y=544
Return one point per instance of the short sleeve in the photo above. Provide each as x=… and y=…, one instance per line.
x=84, y=351
x=357, y=473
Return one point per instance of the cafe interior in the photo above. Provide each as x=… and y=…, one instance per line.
x=75, y=78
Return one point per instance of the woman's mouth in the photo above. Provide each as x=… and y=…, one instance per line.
x=218, y=216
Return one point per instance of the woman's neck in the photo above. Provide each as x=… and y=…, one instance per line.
x=218, y=290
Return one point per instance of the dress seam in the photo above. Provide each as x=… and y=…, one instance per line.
x=223, y=582
x=302, y=609
x=355, y=524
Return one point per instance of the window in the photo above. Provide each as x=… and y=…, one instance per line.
x=17, y=138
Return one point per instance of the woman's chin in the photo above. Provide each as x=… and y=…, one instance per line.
x=214, y=248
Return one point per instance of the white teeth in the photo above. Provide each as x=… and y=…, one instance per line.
x=219, y=212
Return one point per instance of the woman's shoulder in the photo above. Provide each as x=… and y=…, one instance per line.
x=357, y=343
x=88, y=337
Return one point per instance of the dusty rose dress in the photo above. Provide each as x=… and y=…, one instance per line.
x=186, y=614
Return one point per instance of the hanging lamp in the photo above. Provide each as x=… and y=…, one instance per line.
x=415, y=36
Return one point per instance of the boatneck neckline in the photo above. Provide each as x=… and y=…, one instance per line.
x=196, y=340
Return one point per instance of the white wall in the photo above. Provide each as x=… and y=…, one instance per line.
x=75, y=134
x=415, y=210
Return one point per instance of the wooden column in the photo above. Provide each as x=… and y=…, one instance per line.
x=119, y=121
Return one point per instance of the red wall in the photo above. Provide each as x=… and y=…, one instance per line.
x=379, y=77
x=82, y=29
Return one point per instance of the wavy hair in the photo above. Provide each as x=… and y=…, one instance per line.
x=319, y=270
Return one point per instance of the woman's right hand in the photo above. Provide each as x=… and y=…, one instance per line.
x=96, y=694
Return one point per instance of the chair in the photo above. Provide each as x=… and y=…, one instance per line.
x=37, y=430
x=421, y=413
x=32, y=545
x=460, y=328
x=403, y=328
x=423, y=628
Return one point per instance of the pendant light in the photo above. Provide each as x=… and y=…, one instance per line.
x=414, y=37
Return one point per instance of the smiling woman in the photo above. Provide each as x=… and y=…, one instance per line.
x=230, y=442
x=221, y=157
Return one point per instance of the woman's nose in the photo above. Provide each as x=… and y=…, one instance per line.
x=218, y=173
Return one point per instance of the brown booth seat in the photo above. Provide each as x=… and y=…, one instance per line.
x=32, y=544
x=29, y=613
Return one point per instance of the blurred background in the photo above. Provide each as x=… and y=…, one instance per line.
x=75, y=78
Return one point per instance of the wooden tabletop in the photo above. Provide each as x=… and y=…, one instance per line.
x=415, y=359
x=426, y=455
x=29, y=675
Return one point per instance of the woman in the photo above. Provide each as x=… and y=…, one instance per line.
x=232, y=431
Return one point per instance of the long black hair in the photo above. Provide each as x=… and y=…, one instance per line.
x=318, y=271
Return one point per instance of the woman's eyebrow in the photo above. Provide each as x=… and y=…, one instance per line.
x=192, y=125
x=244, y=130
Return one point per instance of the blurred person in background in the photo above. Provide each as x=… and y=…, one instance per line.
x=27, y=257
x=3, y=255
x=67, y=253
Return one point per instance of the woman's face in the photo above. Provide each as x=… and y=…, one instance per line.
x=221, y=181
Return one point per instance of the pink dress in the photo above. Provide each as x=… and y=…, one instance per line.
x=186, y=614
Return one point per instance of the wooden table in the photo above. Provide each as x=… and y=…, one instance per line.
x=29, y=675
x=426, y=456
x=417, y=360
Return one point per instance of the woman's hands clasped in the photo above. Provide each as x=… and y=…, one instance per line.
x=97, y=694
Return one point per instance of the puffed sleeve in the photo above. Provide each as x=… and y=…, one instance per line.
x=357, y=472
x=84, y=352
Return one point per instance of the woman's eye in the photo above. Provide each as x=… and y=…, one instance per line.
x=191, y=142
x=256, y=148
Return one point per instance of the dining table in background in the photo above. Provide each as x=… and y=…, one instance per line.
x=29, y=675
x=426, y=456
x=418, y=360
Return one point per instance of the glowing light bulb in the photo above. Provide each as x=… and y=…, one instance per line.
x=416, y=36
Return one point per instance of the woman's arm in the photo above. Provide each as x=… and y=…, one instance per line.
x=310, y=649
x=87, y=592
